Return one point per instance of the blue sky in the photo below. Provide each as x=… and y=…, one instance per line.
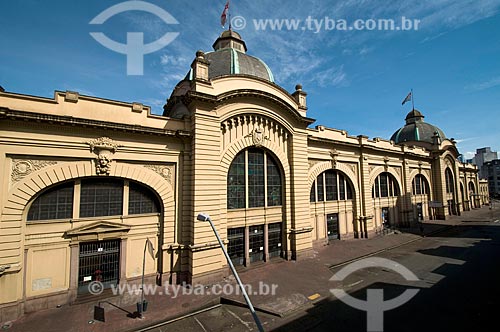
x=355, y=80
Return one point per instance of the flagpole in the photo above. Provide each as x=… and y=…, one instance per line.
x=412, y=100
x=229, y=14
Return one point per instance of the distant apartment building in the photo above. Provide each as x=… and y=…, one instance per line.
x=482, y=156
x=492, y=171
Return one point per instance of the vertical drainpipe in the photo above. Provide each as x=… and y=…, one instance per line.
x=361, y=186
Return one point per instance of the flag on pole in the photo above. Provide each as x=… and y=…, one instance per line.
x=223, y=17
x=407, y=99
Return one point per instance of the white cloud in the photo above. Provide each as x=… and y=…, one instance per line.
x=365, y=50
x=469, y=155
x=166, y=59
x=493, y=82
x=334, y=76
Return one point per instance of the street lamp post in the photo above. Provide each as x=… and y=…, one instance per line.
x=142, y=306
x=206, y=217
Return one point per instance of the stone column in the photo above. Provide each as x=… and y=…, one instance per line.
x=300, y=237
x=74, y=248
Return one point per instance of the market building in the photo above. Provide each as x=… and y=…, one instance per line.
x=86, y=181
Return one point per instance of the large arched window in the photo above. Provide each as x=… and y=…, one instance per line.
x=385, y=186
x=420, y=186
x=98, y=197
x=450, y=188
x=331, y=185
x=253, y=180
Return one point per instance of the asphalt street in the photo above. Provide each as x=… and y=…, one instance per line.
x=458, y=285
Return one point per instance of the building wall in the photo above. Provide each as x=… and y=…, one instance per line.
x=185, y=163
x=492, y=174
x=45, y=146
x=483, y=156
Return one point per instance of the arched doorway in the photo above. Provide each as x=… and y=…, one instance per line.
x=450, y=192
x=385, y=194
x=332, y=205
x=255, y=207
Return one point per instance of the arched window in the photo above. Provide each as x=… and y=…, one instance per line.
x=450, y=188
x=253, y=180
x=385, y=186
x=420, y=185
x=54, y=203
x=472, y=188
x=141, y=200
x=99, y=197
x=331, y=185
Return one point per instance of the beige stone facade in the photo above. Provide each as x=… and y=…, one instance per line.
x=85, y=181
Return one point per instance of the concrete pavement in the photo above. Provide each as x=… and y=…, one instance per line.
x=298, y=286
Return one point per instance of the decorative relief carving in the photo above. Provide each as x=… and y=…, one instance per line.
x=334, y=154
x=313, y=162
x=398, y=170
x=24, y=167
x=257, y=127
x=258, y=136
x=386, y=163
x=165, y=171
x=104, y=147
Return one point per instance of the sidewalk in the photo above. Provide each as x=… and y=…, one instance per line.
x=296, y=281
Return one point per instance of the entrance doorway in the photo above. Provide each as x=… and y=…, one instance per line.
x=332, y=226
x=256, y=243
x=98, y=261
x=386, y=221
x=274, y=239
x=236, y=245
x=420, y=212
x=451, y=208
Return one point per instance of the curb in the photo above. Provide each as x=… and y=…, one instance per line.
x=236, y=303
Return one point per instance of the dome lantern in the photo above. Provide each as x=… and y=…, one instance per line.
x=230, y=58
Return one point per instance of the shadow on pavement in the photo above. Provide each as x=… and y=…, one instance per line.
x=467, y=298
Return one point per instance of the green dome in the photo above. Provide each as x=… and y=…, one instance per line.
x=416, y=130
x=230, y=58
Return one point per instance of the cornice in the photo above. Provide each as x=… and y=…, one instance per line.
x=48, y=119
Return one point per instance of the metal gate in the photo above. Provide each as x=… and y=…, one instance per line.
x=332, y=226
x=98, y=261
x=274, y=239
x=386, y=221
x=256, y=239
x=236, y=245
